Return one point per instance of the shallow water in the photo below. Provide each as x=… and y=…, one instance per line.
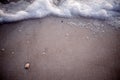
x=99, y=9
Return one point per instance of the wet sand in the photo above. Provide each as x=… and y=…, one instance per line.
x=58, y=49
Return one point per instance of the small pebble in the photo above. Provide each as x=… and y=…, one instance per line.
x=27, y=65
x=43, y=52
x=13, y=52
x=3, y=49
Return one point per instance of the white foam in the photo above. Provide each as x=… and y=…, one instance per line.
x=64, y=8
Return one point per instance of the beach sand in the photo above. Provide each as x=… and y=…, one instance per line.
x=59, y=49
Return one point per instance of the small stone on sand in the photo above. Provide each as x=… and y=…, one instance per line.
x=12, y=52
x=27, y=65
x=3, y=49
x=43, y=52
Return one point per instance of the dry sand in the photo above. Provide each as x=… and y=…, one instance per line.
x=58, y=49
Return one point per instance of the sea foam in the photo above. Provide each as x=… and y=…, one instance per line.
x=101, y=9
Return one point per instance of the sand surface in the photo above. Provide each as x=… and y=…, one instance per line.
x=59, y=49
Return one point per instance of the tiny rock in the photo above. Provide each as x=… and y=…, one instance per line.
x=3, y=49
x=43, y=52
x=27, y=65
x=12, y=52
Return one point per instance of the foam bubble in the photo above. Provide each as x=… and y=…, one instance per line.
x=65, y=8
